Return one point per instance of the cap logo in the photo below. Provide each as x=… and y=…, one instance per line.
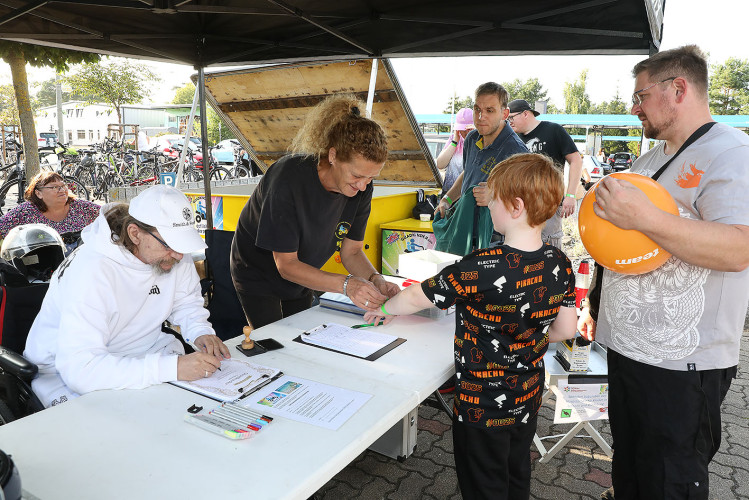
x=187, y=213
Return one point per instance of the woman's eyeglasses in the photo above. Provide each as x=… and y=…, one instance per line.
x=60, y=188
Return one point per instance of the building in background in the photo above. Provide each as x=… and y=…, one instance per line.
x=89, y=123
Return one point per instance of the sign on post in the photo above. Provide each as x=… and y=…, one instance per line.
x=168, y=178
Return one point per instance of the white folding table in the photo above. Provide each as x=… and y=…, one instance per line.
x=134, y=443
x=597, y=368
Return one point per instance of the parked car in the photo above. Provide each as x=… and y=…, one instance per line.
x=622, y=161
x=435, y=143
x=236, y=149
x=223, y=154
x=595, y=168
x=164, y=144
x=47, y=139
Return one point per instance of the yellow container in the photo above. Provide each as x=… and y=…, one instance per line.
x=385, y=208
x=225, y=207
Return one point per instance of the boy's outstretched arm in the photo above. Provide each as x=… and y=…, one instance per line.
x=409, y=300
x=564, y=325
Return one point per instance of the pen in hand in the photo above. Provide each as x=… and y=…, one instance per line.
x=365, y=325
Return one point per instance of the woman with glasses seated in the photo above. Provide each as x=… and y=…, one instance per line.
x=51, y=203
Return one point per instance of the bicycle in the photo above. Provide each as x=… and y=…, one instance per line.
x=194, y=173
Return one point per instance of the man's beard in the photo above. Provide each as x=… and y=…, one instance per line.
x=652, y=131
x=160, y=270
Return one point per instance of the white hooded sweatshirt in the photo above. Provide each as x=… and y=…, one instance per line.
x=100, y=323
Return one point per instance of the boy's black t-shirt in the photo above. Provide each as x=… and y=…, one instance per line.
x=291, y=211
x=505, y=301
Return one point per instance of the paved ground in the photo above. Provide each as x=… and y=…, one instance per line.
x=581, y=471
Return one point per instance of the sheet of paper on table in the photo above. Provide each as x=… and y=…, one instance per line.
x=362, y=342
x=235, y=379
x=580, y=402
x=307, y=401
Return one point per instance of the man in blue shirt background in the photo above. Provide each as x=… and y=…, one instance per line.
x=488, y=144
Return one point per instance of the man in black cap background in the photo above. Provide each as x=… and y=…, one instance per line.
x=553, y=141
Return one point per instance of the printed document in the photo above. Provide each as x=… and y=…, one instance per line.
x=580, y=402
x=361, y=342
x=307, y=401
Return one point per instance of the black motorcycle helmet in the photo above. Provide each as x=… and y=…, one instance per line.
x=34, y=249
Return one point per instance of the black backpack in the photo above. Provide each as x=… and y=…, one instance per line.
x=10, y=276
x=425, y=204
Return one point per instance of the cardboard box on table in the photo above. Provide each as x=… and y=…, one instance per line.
x=421, y=265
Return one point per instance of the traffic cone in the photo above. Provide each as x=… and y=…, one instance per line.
x=582, y=283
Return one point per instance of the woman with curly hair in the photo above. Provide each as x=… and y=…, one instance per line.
x=309, y=204
x=50, y=202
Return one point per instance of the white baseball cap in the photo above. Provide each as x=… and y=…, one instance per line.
x=170, y=212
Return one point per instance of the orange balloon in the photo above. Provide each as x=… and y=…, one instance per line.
x=624, y=251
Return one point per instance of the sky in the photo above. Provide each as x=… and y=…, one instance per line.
x=428, y=83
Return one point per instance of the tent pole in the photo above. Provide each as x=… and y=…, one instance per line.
x=188, y=134
x=372, y=86
x=206, y=152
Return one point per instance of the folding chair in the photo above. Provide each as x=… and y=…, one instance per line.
x=226, y=313
x=18, y=309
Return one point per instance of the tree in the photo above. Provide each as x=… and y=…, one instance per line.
x=613, y=107
x=184, y=94
x=116, y=83
x=729, y=87
x=531, y=90
x=466, y=102
x=217, y=128
x=47, y=95
x=576, y=99
x=8, y=108
x=17, y=55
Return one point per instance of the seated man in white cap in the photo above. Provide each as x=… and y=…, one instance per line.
x=100, y=324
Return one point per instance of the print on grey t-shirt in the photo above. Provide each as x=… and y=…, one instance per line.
x=681, y=314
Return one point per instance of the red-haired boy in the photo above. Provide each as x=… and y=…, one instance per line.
x=511, y=301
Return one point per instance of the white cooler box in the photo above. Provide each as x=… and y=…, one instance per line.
x=422, y=265
x=400, y=441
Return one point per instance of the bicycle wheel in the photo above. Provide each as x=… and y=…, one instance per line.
x=85, y=176
x=77, y=188
x=192, y=175
x=9, y=196
x=219, y=174
x=241, y=171
x=146, y=177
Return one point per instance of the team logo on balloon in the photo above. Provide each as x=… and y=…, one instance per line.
x=624, y=251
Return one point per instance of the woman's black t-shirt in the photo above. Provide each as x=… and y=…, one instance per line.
x=291, y=211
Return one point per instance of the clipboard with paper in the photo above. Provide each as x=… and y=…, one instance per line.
x=360, y=343
x=236, y=379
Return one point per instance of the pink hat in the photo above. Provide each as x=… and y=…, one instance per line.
x=464, y=119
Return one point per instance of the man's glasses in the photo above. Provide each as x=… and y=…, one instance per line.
x=160, y=240
x=511, y=118
x=60, y=188
x=637, y=98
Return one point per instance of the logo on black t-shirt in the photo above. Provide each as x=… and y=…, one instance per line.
x=342, y=230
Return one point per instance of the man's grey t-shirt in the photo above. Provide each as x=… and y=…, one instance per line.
x=681, y=316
